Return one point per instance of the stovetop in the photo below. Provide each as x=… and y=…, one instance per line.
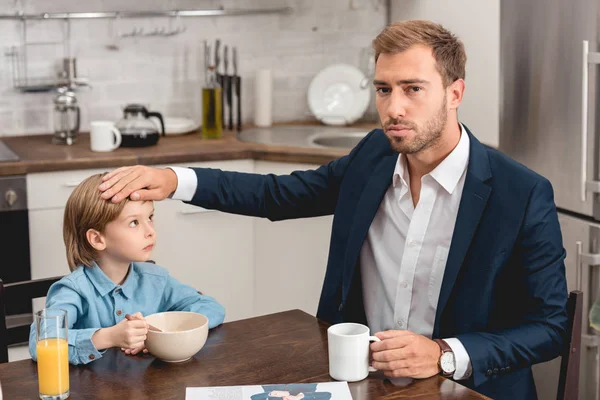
x=6, y=154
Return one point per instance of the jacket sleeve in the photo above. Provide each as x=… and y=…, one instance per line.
x=63, y=295
x=540, y=337
x=301, y=194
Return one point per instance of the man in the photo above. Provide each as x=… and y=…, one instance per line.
x=434, y=235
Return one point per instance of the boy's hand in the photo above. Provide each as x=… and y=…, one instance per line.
x=130, y=333
x=133, y=351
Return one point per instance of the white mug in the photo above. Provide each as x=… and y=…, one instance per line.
x=104, y=136
x=348, y=345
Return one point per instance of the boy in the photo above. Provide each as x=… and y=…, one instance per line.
x=112, y=286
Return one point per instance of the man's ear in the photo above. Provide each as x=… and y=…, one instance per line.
x=456, y=91
x=95, y=239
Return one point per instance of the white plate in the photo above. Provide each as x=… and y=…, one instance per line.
x=335, y=96
x=179, y=126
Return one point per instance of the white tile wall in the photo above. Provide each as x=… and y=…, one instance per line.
x=167, y=73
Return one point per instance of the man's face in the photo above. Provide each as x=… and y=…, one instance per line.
x=411, y=99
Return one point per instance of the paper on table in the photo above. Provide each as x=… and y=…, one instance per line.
x=293, y=391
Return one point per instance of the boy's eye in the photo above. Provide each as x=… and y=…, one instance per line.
x=133, y=223
x=151, y=218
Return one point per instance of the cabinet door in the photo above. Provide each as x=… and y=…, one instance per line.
x=290, y=256
x=209, y=250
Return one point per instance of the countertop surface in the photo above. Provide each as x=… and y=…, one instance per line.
x=37, y=153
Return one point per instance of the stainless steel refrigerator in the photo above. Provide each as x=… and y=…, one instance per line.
x=549, y=98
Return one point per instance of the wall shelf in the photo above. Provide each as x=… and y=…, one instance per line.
x=147, y=14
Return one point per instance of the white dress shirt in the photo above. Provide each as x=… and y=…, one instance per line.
x=404, y=256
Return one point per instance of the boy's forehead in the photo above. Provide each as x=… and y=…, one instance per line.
x=137, y=206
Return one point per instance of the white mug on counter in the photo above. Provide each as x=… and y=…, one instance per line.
x=104, y=136
x=348, y=345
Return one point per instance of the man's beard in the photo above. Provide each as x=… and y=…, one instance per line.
x=423, y=138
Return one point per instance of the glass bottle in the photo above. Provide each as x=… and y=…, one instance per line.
x=212, y=111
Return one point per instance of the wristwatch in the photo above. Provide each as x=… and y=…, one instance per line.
x=446, y=362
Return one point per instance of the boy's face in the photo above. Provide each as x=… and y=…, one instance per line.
x=131, y=237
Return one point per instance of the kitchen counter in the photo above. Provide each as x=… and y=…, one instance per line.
x=38, y=154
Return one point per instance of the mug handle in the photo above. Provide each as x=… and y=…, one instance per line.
x=118, y=137
x=373, y=339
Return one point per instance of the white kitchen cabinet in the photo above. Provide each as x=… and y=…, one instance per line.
x=209, y=250
x=290, y=257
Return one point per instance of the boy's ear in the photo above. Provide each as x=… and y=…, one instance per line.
x=95, y=239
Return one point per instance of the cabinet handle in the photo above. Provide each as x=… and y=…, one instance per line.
x=197, y=210
x=72, y=184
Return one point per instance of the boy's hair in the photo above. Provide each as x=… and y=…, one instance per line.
x=448, y=50
x=86, y=210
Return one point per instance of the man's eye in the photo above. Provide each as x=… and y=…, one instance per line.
x=382, y=90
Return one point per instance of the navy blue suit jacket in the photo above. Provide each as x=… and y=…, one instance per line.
x=504, y=289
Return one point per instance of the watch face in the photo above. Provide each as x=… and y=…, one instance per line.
x=447, y=362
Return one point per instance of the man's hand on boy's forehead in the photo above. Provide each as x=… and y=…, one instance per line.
x=138, y=183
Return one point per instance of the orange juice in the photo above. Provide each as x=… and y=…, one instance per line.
x=53, y=366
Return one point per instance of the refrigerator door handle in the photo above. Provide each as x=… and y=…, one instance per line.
x=588, y=58
x=582, y=259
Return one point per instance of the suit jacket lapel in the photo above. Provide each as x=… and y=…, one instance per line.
x=472, y=204
x=366, y=209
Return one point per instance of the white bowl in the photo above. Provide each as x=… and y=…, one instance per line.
x=184, y=334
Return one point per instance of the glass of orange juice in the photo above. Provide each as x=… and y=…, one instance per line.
x=53, y=353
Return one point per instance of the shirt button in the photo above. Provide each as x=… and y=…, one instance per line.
x=400, y=323
x=119, y=312
x=495, y=370
x=92, y=357
x=488, y=372
x=404, y=284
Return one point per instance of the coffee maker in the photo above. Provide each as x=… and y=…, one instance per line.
x=67, y=117
x=137, y=128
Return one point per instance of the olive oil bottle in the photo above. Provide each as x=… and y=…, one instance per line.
x=212, y=110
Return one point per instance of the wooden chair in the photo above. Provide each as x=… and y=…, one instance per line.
x=18, y=292
x=568, y=382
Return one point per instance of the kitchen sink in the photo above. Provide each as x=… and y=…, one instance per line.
x=341, y=138
x=346, y=140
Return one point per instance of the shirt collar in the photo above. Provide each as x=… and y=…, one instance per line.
x=448, y=172
x=104, y=285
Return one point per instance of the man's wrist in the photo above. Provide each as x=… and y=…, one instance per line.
x=172, y=179
x=446, y=361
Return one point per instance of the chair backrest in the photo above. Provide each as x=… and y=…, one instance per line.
x=18, y=292
x=568, y=382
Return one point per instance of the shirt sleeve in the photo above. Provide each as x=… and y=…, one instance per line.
x=63, y=295
x=180, y=297
x=463, y=361
x=186, y=183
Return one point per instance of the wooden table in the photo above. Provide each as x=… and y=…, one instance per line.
x=288, y=347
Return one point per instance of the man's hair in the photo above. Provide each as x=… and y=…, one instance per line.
x=86, y=210
x=448, y=50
